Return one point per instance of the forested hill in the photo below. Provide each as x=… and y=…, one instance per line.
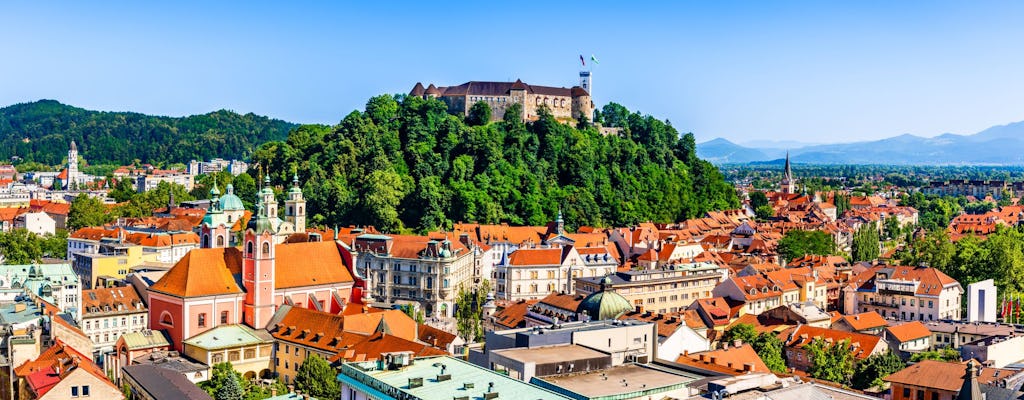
x=41, y=131
x=405, y=163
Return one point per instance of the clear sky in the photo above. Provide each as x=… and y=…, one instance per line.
x=761, y=70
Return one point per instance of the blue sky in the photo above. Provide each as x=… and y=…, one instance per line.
x=806, y=71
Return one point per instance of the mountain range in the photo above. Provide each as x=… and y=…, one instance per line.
x=998, y=145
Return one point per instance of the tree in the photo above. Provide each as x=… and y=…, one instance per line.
x=831, y=362
x=769, y=349
x=979, y=207
x=230, y=390
x=469, y=311
x=946, y=353
x=865, y=243
x=869, y=372
x=798, y=243
x=316, y=377
x=87, y=211
x=758, y=199
x=764, y=212
x=744, y=332
x=479, y=114
x=20, y=246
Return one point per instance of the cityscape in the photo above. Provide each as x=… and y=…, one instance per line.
x=478, y=224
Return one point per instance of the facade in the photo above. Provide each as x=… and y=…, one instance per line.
x=248, y=350
x=756, y=292
x=623, y=341
x=788, y=184
x=796, y=339
x=904, y=293
x=108, y=313
x=157, y=246
x=662, y=290
x=56, y=284
x=235, y=167
x=111, y=263
x=61, y=372
x=147, y=182
x=224, y=219
x=426, y=271
x=563, y=103
x=909, y=338
x=39, y=223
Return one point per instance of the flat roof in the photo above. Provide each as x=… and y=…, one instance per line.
x=621, y=380
x=550, y=354
x=366, y=376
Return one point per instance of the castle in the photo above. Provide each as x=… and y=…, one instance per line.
x=564, y=103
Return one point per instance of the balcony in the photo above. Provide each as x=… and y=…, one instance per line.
x=877, y=303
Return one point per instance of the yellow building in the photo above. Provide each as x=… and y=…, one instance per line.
x=110, y=265
x=666, y=289
x=248, y=350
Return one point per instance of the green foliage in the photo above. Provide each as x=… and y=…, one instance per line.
x=479, y=114
x=143, y=204
x=405, y=163
x=764, y=212
x=842, y=203
x=758, y=199
x=947, y=354
x=86, y=211
x=42, y=131
x=230, y=390
x=20, y=246
x=831, y=362
x=999, y=257
x=769, y=349
x=798, y=243
x=934, y=212
x=317, y=378
x=411, y=311
x=869, y=373
x=469, y=311
x=865, y=243
x=979, y=207
x=744, y=332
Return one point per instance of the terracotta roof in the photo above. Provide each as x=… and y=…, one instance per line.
x=568, y=302
x=372, y=347
x=931, y=280
x=111, y=300
x=909, y=331
x=536, y=256
x=940, y=375
x=514, y=314
x=314, y=329
x=862, y=321
x=398, y=323
x=309, y=264
x=718, y=309
x=58, y=356
x=667, y=324
x=861, y=345
x=203, y=272
x=435, y=337
x=733, y=359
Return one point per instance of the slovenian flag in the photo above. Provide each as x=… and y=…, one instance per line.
x=594, y=59
x=582, y=61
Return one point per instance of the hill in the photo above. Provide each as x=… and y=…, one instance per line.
x=42, y=130
x=405, y=163
x=998, y=145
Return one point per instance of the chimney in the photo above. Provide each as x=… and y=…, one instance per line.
x=737, y=343
x=748, y=367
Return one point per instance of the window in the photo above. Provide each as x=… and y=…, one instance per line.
x=220, y=241
x=85, y=390
x=74, y=391
x=266, y=248
x=124, y=321
x=202, y=320
x=224, y=317
x=935, y=396
x=920, y=395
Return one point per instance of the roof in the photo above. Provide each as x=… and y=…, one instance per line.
x=604, y=304
x=514, y=314
x=229, y=336
x=372, y=347
x=147, y=339
x=115, y=300
x=643, y=381
x=734, y=359
x=668, y=323
x=62, y=357
x=435, y=337
x=909, y=331
x=943, y=375
x=861, y=345
x=162, y=383
x=536, y=256
x=930, y=281
x=463, y=374
x=864, y=321
x=203, y=272
x=568, y=302
x=312, y=328
x=550, y=354
x=309, y=264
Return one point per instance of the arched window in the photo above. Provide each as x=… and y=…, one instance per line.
x=248, y=248
x=538, y=101
x=220, y=240
x=202, y=320
x=562, y=104
x=266, y=248
x=290, y=210
x=166, y=319
x=300, y=210
x=229, y=218
x=206, y=241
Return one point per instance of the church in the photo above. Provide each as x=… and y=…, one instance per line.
x=221, y=284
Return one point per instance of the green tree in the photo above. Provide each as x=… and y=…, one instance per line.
x=980, y=207
x=469, y=311
x=945, y=353
x=798, y=243
x=744, y=332
x=758, y=199
x=866, y=243
x=317, y=378
x=869, y=372
x=764, y=212
x=769, y=349
x=830, y=361
x=20, y=246
x=86, y=211
x=230, y=390
x=479, y=114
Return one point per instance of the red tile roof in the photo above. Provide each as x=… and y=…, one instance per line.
x=948, y=376
x=860, y=344
x=536, y=256
x=734, y=360
x=863, y=321
x=909, y=331
x=203, y=272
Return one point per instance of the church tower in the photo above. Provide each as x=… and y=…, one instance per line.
x=788, y=184
x=72, y=166
x=268, y=200
x=258, y=269
x=213, y=232
x=295, y=206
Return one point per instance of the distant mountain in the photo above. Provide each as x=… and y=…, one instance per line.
x=998, y=145
x=777, y=144
x=41, y=131
x=721, y=151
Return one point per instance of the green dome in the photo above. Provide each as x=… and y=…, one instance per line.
x=604, y=305
x=231, y=202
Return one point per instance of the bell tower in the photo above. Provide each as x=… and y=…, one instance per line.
x=295, y=206
x=258, y=268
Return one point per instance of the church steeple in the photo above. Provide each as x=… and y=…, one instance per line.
x=788, y=184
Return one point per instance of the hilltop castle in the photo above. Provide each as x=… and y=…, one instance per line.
x=564, y=103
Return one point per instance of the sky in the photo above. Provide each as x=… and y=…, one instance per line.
x=817, y=72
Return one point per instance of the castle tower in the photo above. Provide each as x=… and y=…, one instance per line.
x=585, y=82
x=258, y=270
x=295, y=206
x=72, y=165
x=788, y=184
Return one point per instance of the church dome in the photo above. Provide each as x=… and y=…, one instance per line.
x=604, y=304
x=231, y=202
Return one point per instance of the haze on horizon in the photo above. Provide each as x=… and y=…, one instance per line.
x=745, y=71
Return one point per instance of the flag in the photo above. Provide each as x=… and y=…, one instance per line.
x=582, y=61
x=594, y=59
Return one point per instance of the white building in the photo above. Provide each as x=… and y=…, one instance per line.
x=108, y=313
x=39, y=223
x=904, y=293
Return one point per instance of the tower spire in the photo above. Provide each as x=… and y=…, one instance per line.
x=789, y=170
